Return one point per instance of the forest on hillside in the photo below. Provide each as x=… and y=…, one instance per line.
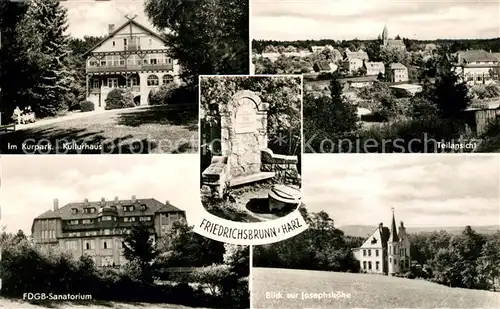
x=454, y=45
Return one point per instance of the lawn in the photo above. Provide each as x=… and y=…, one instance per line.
x=7, y=303
x=155, y=129
x=365, y=291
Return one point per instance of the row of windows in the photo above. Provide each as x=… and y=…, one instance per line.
x=108, y=218
x=125, y=208
x=47, y=224
x=48, y=234
x=369, y=252
x=152, y=80
x=117, y=60
x=404, y=263
x=400, y=251
x=368, y=266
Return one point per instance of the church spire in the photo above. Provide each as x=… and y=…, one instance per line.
x=385, y=34
x=394, y=234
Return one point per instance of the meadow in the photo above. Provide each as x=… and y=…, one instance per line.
x=350, y=290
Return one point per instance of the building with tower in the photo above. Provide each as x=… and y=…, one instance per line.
x=131, y=57
x=391, y=43
x=386, y=251
x=97, y=228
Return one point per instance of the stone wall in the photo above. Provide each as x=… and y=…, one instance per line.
x=285, y=167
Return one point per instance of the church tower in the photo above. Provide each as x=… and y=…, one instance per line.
x=385, y=36
x=393, y=248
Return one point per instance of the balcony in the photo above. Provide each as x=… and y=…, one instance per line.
x=130, y=68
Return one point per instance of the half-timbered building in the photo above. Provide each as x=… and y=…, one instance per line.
x=131, y=57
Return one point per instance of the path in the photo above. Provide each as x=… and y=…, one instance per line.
x=72, y=116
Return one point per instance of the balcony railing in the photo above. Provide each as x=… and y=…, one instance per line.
x=98, y=90
x=130, y=67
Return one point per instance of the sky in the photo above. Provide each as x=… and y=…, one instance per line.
x=31, y=183
x=424, y=190
x=90, y=17
x=285, y=20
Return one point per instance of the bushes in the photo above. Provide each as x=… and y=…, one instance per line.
x=118, y=98
x=86, y=106
x=173, y=94
x=163, y=95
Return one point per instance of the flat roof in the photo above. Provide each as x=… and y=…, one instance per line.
x=406, y=86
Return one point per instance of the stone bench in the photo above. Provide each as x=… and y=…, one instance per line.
x=215, y=176
x=8, y=127
x=284, y=167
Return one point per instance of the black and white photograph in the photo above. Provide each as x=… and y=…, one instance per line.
x=111, y=232
x=112, y=77
x=251, y=139
x=384, y=76
x=392, y=231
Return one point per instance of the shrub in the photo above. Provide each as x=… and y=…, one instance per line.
x=163, y=95
x=87, y=106
x=212, y=277
x=409, y=275
x=118, y=98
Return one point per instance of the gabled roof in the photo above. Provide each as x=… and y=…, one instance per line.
x=49, y=214
x=397, y=66
x=395, y=42
x=358, y=55
x=375, y=64
x=476, y=56
x=152, y=206
x=323, y=65
x=130, y=21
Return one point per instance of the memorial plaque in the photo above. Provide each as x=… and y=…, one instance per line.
x=245, y=120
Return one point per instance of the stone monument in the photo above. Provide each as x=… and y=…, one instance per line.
x=244, y=141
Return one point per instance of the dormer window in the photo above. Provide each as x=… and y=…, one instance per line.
x=89, y=210
x=143, y=207
x=74, y=211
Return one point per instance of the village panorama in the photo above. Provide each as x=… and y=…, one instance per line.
x=392, y=93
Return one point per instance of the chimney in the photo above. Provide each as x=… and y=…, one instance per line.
x=167, y=202
x=133, y=199
x=56, y=204
x=111, y=28
x=86, y=201
x=116, y=200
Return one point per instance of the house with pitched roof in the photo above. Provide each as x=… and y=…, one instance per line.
x=131, y=57
x=374, y=68
x=385, y=251
x=477, y=66
x=97, y=228
x=354, y=60
x=399, y=73
x=324, y=66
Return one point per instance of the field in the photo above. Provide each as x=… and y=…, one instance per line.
x=154, y=129
x=366, y=291
x=12, y=304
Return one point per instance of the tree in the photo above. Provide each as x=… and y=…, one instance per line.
x=13, y=68
x=448, y=93
x=207, y=37
x=181, y=247
x=237, y=257
x=490, y=259
x=45, y=49
x=138, y=249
